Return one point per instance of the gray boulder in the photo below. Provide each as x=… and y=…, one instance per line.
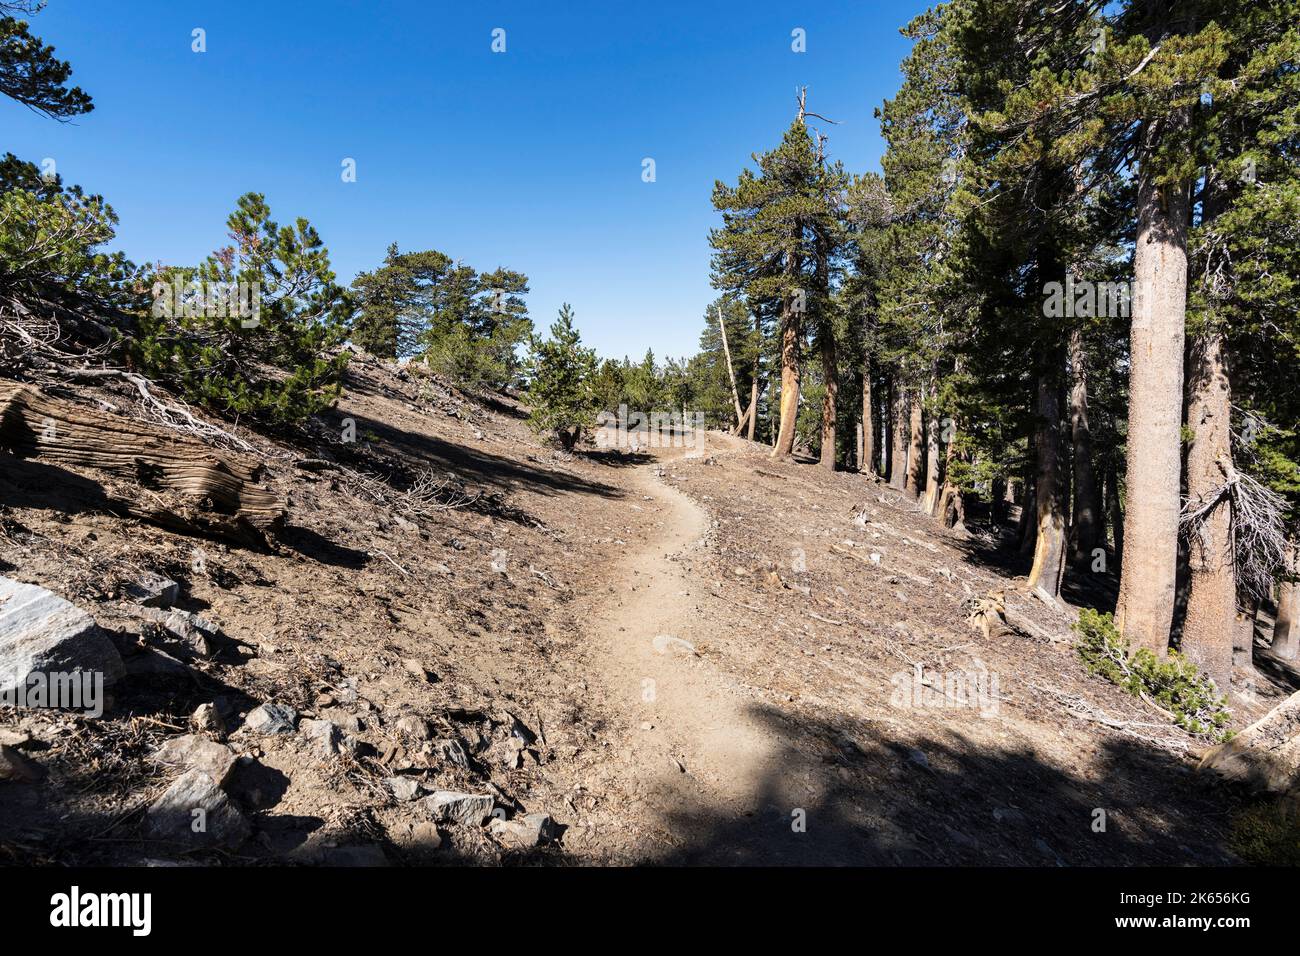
x=470, y=809
x=40, y=632
x=194, y=811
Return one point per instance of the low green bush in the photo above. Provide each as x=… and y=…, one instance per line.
x=1172, y=683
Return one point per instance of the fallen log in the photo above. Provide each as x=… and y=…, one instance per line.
x=1266, y=755
x=217, y=490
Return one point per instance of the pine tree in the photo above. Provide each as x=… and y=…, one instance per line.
x=266, y=345
x=29, y=71
x=767, y=249
x=561, y=373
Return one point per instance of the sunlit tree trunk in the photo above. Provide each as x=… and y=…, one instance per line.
x=1152, y=477
x=1051, y=494
x=791, y=332
x=867, y=454
x=1212, y=592
x=915, y=448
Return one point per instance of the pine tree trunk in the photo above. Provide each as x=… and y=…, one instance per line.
x=784, y=446
x=1152, y=476
x=1116, y=511
x=1286, y=627
x=915, y=449
x=1086, y=503
x=831, y=377
x=1051, y=496
x=1212, y=595
x=932, y=484
x=898, y=446
x=1026, y=527
x=867, y=454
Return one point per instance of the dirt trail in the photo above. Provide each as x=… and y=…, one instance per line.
x=710, y=767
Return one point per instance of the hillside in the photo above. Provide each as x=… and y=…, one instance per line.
x=679, y=655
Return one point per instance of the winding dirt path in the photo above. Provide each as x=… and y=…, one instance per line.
x=715, y=773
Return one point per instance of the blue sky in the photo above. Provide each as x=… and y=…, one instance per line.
x=530, y=158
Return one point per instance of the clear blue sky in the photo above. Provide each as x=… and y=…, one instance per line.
x=529, y=159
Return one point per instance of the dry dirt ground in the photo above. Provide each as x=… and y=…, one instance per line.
x=682, y=656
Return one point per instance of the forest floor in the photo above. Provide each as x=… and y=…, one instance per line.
x=682, y=656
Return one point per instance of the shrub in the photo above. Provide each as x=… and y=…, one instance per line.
x=274, y=359
x=1173, y=684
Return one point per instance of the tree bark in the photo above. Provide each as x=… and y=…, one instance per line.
x=867, y=453
x=1116, y=511
x=1212, y=595
x=915, y=448
x=1086, y=498
x=831, y=382
x=931, y=503
x=1051, y=496
x=731, y=372
x=1153, y=472
x=898, y=445
x=789, y=388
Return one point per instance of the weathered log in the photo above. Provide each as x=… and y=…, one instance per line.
x=218, y=489
x=1266, y=755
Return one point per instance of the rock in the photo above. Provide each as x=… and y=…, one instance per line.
x=198, y=634
x=328, y=737
x=665, y=643
x=268, y=719
x=453, y=752
x=415, y=727
x=18, y=739
x=195, y=811
x=15, y=768
x=918, y=757
x=1266, y=755
x=192, y=752
x=40, y=632
x=467, y=808
x=207, y=718
x=532, y=829
x=403, y=789
x=153, y=590
x=519, y=731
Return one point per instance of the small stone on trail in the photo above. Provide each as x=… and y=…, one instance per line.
x=469, y=809
x=404, y=789
x=529, y=830
x=192, y=752
x=153, y=590
x=206, y=718
x=271, y=719
x=195, y=811
x=415, y=727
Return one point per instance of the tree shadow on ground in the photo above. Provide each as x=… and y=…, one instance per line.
x=869, y=799
x=504, y=475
